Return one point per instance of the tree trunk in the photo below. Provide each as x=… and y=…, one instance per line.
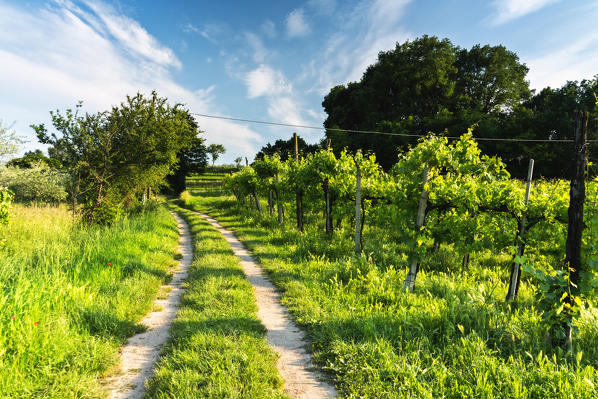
x=299, y=204
x=328, y=206
x=270, y=203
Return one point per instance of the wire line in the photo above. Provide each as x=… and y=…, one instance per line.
x=376, y=132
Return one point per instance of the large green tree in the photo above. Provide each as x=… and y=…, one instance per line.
x=424, y=85
x=286, y=149
x=114, y=157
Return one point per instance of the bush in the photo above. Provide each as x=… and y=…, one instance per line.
x=38, y=184
x=5, y=198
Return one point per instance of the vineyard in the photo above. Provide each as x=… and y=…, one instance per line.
x=346, y=241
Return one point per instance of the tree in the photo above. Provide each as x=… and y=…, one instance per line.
x=31, y=158
x=420, y=86
x=191, y=160
x=114, y=157
x=286, y=148
x=238, y=161
x=9, y=141
x=215, y=150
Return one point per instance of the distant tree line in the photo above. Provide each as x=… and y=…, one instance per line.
x=431, y=85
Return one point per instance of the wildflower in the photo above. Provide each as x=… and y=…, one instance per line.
x=36, y=323
x=12, y=317
x=109, y=264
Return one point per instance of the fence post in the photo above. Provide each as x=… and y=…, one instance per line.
x=516, y=267
x=409, y=284
x=278, y=201
x=358, y=210
x=298, y=196
x=577, y=195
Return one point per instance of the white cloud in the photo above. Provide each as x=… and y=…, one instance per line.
x=574, y=62
x=257, y=46
x=269, y=29
x=52, y=57
x=369, y=28
x=133, y=37
x=285, y=110
x=265, y=81
x=322, y=7
x=507, y=10
x=296, y=24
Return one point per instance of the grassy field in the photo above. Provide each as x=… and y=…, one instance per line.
x=454, y=338
x=70, y=296
x=218, y=347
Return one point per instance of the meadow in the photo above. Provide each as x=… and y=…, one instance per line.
x=454, y=337
x=71, y=294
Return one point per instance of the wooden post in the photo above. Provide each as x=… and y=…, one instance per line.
x=327, y=198
x=328, y=142
x=516, y=267
x=257, y=202
x=358, y=210
x=278, y=202
x=577, y=195
x=298, y=194
x=246, y=162
x=409, y=284
x=270, y=203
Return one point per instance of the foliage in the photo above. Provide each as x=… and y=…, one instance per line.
x=36, y=184
x=286, y=149
x=454, y=338
x=9, y=141
x=31, y=158
x=193, y=159
x=114, y=157
x=424, y=85
x=215, y=150
x=5, y=202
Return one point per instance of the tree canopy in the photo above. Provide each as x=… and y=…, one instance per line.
x=286, y=149
x=215, y=150
x=115, y=156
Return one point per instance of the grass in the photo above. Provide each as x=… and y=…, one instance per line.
x=70, y=296
x=217, y=346
x=454, y=338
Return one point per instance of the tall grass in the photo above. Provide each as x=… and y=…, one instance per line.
x=454, y=338
x=71, y=295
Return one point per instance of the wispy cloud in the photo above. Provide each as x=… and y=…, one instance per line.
x=56, y=55
x=259, y=51
x=269, y=28
x=507, y=10
x=574, y=62
x=322, y=7
x=297, y=26
x=265, y=81
x=357, y=43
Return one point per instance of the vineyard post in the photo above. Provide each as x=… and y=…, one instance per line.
x=358, y=210
x=246, y=162
x=577, y=195
x=270, y=202
x=326, y=186
x=278, y=201
x=515, y=266
x=409, y=284
x=299, y=197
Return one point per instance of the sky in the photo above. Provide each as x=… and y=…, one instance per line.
x=260, y=60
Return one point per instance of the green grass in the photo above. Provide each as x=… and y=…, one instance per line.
x=70, y=296
x=454, y=338
x=217, y=347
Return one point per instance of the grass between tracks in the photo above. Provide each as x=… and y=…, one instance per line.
x=454, y=338
x=217, y=347
x=71, y=295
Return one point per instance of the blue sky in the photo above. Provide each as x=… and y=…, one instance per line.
x=265, y=60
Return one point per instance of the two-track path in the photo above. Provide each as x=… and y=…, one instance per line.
x=139, y=356
x=301, y=380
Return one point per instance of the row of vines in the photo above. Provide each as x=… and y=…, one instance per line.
x=439, y=192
